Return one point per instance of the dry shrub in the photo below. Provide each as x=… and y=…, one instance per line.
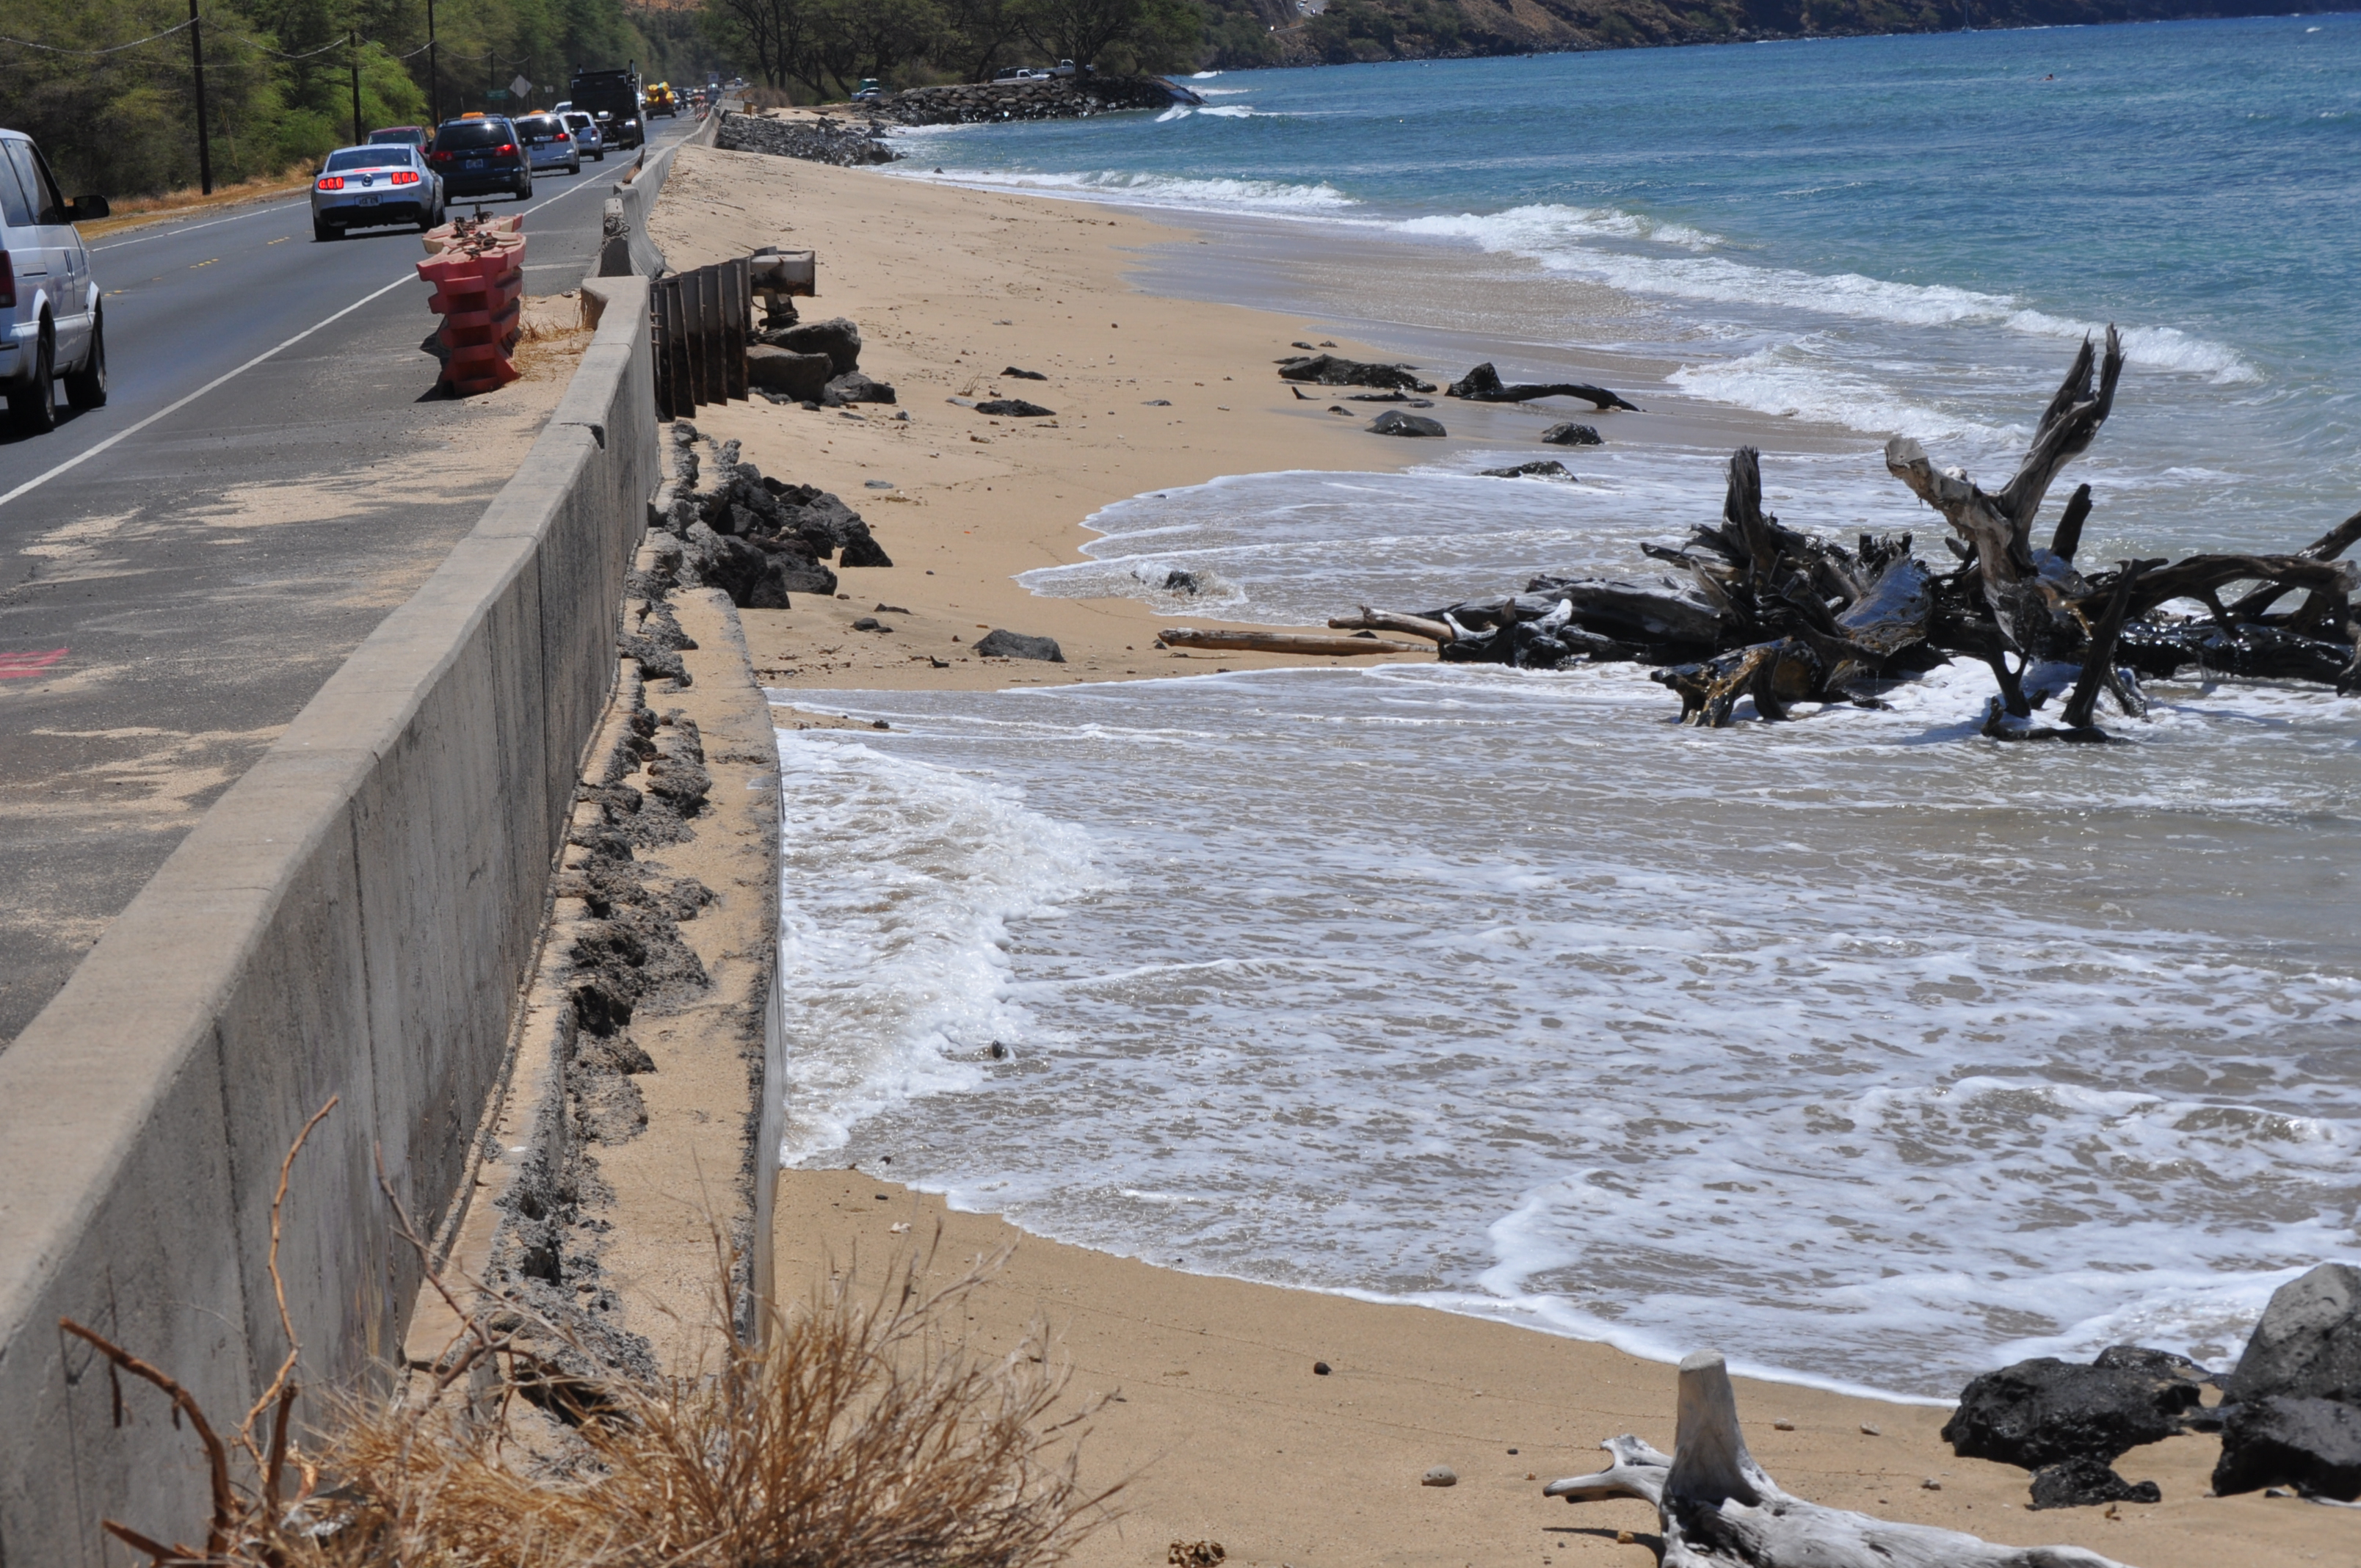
x=852, y=1431
x=864, y=1434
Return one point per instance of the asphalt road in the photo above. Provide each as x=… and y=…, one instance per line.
x=272, y=473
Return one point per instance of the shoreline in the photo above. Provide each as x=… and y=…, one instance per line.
x=1226, y=1433
x=1152, y=392
x=1026, y=280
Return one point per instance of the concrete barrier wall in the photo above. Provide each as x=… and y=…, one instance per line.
x=353, y=918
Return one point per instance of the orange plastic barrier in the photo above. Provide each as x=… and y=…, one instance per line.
x=477, y=266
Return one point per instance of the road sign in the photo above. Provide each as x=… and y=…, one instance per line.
x=520, y=88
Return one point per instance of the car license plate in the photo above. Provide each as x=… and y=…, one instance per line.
x=474, y=163
x=365, y=202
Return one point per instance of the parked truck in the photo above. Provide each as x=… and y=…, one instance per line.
x=614, y=98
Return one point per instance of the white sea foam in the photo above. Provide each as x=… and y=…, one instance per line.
x=1217, y=111
x=1786, y=1039
x=1274, y=198
x=900, y=881
x=1867, y=1103
x=1567, y=240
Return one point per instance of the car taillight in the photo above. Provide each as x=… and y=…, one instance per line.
x=563, y=136
x=7, y=282
x=439, y=157
x=332, y=182
x=505, y=149
x=404, y=177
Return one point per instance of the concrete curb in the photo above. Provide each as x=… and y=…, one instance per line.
x=354, y=917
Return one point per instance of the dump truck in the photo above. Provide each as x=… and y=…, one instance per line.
x=614, y=98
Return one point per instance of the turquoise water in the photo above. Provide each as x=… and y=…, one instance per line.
x=1867, y=1051
x=1892, y=233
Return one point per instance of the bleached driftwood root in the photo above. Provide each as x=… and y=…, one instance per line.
x=1721, y=1510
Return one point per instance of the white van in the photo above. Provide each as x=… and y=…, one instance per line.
x=48, y=297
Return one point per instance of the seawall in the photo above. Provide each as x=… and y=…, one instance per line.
x=354, y=918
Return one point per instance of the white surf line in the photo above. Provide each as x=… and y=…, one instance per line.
x=191, y=228
x=37, y=480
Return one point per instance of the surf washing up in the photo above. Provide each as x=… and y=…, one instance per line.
x=1872, y=1052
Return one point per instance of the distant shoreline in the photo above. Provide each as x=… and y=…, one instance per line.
x=1511, y=49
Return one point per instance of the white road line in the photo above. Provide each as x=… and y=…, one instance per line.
x=191, y=228
x=81, y=457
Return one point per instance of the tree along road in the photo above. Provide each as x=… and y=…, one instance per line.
x=272, y=473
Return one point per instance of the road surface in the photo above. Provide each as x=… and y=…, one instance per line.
x=271, y=475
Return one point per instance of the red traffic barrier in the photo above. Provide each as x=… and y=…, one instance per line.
x=477, y=266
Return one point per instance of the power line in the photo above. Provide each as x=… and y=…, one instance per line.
x=100, y=53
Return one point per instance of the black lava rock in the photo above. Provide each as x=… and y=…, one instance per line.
x=1571, y=434
x=2038, y=1413
x=1546, y=469
x=836, y=337
x=2308, y=1345
x=1017, y=645
x=2082, y=1483
x=1393, y=422
x=1022, y=375
x=1013, y=408
x=852, y=386
x=801, y=377
x=863, y=550
x=2313, y=1445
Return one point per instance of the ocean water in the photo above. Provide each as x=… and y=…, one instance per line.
x=1867, y=1051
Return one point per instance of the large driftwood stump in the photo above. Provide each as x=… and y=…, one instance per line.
x=1721, y=1510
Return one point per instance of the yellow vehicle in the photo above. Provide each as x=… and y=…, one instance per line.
x=662, y=102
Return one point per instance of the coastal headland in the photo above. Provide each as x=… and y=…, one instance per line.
x=1219, y=1423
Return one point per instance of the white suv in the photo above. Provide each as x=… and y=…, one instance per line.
x=48, y=298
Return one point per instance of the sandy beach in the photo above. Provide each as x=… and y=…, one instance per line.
x=1225, y=1434
x=1222, y=1427
x=950, y=287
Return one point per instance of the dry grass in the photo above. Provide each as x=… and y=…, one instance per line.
x=863, y=1433
x=136, y=211
x=853, y=1430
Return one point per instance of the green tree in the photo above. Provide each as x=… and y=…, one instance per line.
x=1122, y=36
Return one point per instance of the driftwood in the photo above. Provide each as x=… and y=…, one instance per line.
x=1720, y=1509
x=1483, y=385
x=1759, y=611
x=1331, y=370
x=1387, y=620
x=1281, y=643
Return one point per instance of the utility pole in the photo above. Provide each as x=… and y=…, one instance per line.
x=433, y=78
x=355, y=39
x=204, y=137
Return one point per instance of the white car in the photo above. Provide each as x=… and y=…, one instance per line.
x=587, y=135
x=48, y=297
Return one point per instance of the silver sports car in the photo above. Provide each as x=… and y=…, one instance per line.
x=363, y=187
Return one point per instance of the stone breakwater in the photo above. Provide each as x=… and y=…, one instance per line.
x=1055, y=98
x=847, y=144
